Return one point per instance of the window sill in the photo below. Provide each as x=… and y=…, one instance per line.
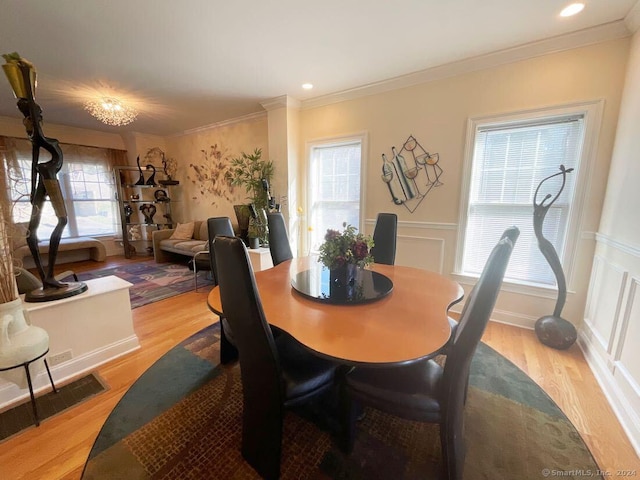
x=522, y=288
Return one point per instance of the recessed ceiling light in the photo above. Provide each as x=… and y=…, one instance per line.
x=572, y=9
x=307, y=86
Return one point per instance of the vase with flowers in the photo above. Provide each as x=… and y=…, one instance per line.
x=344, y=254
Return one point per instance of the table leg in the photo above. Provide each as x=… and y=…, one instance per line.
x=50, y=377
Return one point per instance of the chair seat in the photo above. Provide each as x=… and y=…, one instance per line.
x=303, y=373
x=409, y=391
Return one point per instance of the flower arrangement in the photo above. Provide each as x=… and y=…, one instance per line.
x=346, y=247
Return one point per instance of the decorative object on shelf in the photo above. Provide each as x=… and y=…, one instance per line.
x=168, y=218
x=169, y=165
x=152, y=179
x=141, y=177
x=346, y=247
x=552, y=330
x=135, y=233
x=148, y=210
x=128, y=211
x=44, y=182
x=409, y=181
x=111, y=111
x=135, y=196
x=160, y=196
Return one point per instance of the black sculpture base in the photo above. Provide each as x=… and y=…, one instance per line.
x=556, y=332
x=50, y=294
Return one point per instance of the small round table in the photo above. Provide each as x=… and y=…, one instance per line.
x=26, y=369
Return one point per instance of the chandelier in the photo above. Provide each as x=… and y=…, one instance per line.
x=111, y=111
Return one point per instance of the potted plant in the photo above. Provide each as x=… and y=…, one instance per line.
x=253, y=173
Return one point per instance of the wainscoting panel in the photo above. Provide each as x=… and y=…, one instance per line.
x=610, y=334
x=607, y=289
x=420, y=252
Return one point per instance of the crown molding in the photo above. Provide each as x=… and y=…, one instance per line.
x=223, y=123
x=632, y=20
x=580, y=38
x=280, y=102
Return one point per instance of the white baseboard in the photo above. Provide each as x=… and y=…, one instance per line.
x=506, y=317
x=10, y=393
x=611, y=390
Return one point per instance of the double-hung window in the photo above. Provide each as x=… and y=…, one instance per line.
x=335, y=186
x=509, y=159
x=87, y=185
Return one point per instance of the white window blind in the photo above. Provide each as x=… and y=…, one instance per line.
x=509, y=161
x=334, y=189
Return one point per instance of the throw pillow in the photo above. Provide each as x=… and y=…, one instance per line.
x=184, y=231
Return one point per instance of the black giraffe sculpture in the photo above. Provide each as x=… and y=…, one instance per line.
x=552, y=330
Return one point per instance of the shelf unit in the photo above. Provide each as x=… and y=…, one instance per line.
x=149, y=210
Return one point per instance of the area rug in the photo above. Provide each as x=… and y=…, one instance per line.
x=152, y=281
x=182, y=420
x=20, y=417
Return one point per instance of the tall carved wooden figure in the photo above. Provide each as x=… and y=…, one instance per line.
x=552, y=330
x=44, y=181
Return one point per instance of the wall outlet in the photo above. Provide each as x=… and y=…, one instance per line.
x=59, y=358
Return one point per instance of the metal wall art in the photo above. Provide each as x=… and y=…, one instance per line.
x=411, y=173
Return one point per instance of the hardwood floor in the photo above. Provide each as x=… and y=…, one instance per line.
x=59, y=447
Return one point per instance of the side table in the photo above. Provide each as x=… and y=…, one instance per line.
x=26, y=369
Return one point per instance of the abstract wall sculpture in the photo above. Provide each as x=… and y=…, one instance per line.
x=208, y=176
x=411, y=173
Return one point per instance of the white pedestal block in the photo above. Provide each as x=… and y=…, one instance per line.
x=260, y=258
x=85, y=331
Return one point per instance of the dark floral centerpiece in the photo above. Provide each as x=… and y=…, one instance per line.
x=345, y=248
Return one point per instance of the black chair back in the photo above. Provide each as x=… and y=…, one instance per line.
x=475, y=316
x=384, y=238
x=278, y=239
x=217, y=226
x=262, y=387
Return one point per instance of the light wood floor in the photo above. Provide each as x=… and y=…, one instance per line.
x=59, y=447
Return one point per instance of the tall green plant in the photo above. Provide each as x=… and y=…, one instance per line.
x=248, y=170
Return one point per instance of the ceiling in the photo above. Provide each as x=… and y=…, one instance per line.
x=206, y=61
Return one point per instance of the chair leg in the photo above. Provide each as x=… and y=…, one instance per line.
x=262, y=439
x=452, y=443
x=228, y=351
x=195, y=274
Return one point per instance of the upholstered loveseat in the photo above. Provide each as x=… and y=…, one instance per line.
x=166, y=248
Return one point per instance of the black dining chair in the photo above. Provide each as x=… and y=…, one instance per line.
x=425, y=391
x=278, y=239
x=384, y=239
x=276, y=373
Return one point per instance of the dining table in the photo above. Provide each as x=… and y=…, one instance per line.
x=407, y=323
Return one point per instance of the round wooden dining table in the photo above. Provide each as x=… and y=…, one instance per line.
x=408, y=324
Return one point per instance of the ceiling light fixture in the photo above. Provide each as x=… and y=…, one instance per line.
x=307, y=86
x=111, y=111
x=572, y=9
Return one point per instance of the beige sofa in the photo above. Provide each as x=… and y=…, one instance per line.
x=165, y=249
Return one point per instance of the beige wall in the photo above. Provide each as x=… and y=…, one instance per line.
x=436, y=113
x=610, y=336
x=203, y=192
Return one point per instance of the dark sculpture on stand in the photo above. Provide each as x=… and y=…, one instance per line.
x=552, y=330
x=44, y=182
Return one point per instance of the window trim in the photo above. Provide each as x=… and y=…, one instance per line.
x=361, y=137
x=592, y=112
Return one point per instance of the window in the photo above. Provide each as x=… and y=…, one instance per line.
x=87, y=186
x=335, y=187
x=509, y=159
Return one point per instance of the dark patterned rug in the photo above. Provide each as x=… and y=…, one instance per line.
x=182, y=420
x=153, y=281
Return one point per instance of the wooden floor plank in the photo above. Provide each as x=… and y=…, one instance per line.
x=59, y=447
